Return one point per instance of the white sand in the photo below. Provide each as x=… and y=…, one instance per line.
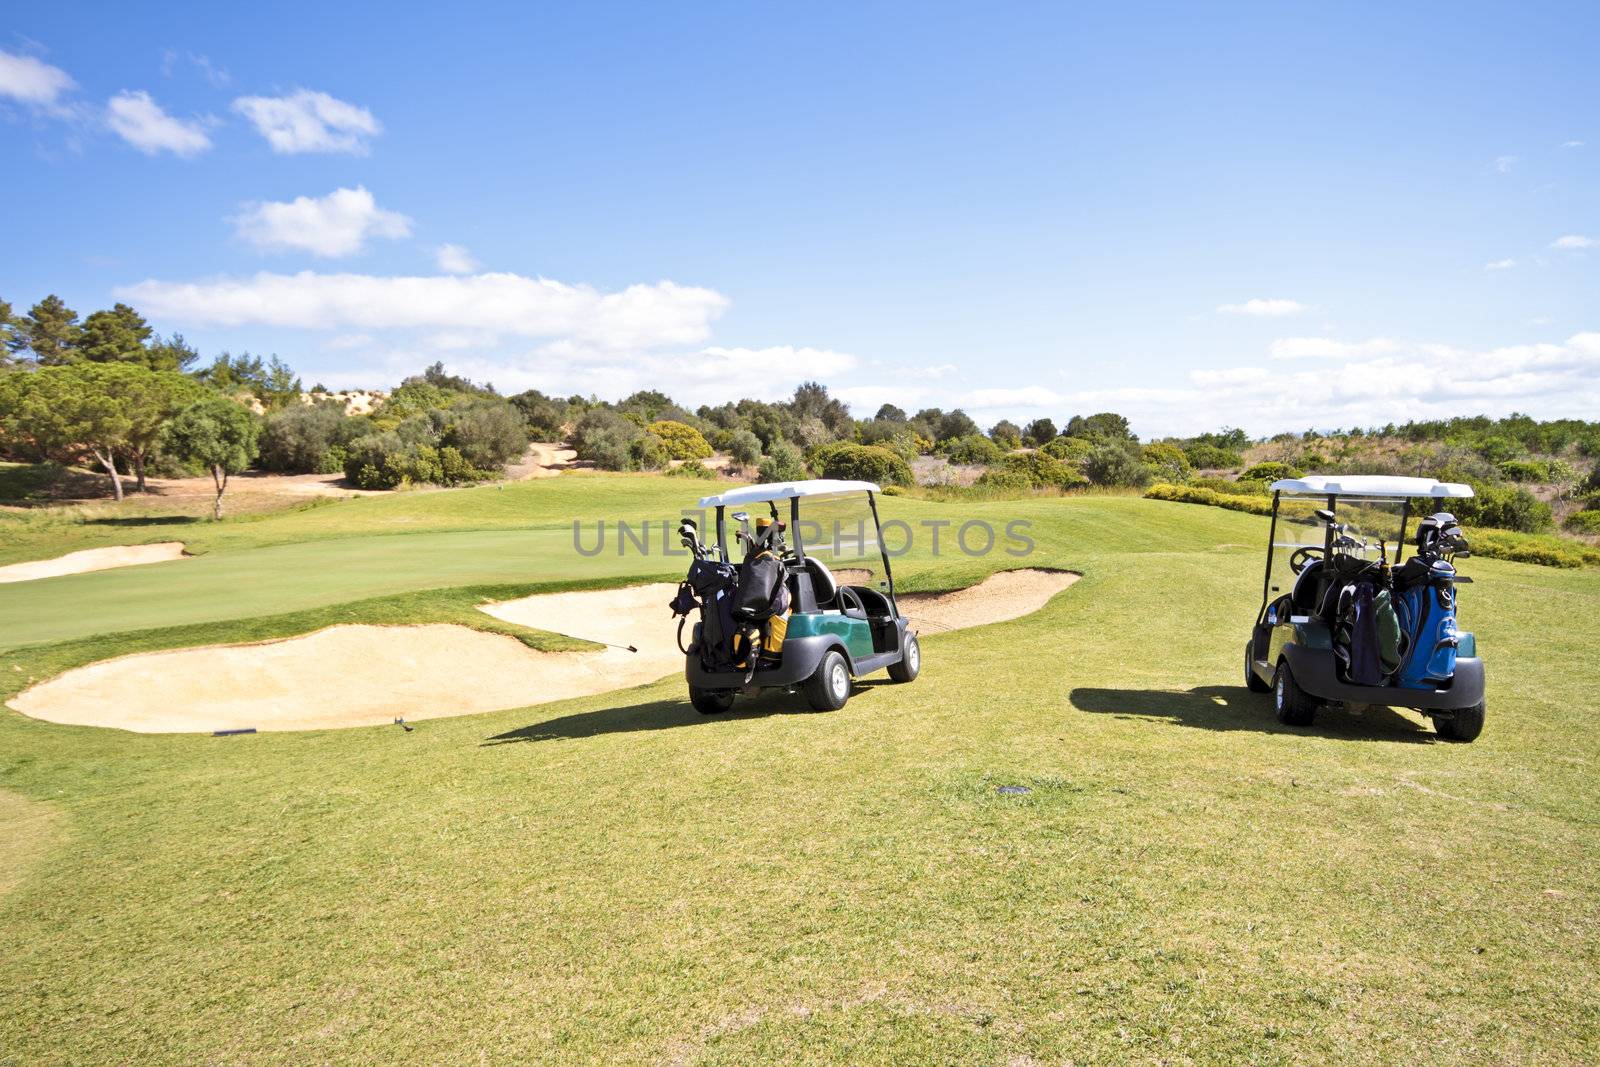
x=92, y=559
x=370, y=675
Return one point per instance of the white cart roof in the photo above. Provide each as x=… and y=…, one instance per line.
x=1372, y=485
x=815, y=489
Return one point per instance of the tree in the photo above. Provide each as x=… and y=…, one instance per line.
x=1006, y=434
x=890, y=413
x=7, y=332
x=489, y=433
x=49, y=330
x=1106, y=425
x=149, y=399
x=115, y=336
x=682, y=441
x=65, y=411
x=784, y=463
x=1039, y=432
x=745, y=448
x=279, y=386
x=811, y=401
x=171, y=353
x=217, y=434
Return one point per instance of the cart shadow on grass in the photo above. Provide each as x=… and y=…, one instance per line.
x=668, y=714
x=1233, y=707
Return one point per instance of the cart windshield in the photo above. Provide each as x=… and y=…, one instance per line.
x=1298, y=527
x=1370, y=525
x=842, y=533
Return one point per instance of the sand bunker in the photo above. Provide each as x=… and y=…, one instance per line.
x=371, y=675
x=1007, y=595
x=92, y=559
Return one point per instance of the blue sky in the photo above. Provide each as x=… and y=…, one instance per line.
x=1021, y=209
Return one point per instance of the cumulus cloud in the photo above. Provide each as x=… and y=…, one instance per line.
x=1500, y=264
x=1574, y=242
x=1027, y=396
x=1503, y=164
x=307, y=121
x=454, y=259
x=142, y=122
x=338, y=224
x=640, y=316
x=1264, y=308
x=32, y=81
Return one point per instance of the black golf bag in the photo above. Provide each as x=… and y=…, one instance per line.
x=710, y=587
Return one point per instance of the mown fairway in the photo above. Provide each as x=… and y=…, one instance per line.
x=619, y=879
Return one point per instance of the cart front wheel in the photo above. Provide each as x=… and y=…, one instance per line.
x=910, y=664
x=1465, y=725
x=711, y=701
x=1251, y=682
x=1293, y=706
x=829, y=687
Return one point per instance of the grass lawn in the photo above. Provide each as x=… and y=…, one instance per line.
x=619, y=879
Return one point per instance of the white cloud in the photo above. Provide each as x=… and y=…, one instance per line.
x=1503, y=164
x=1571, y=144
x=865, y=400
x=1573, y=241
x=306, y=121
x=641, y=316
x=334, y=225
x=1327, y=348
x=1027, y=396
x=1500, y=264
x=1264, y=308
x=32, y=81
x=454, y=259
x=141, y=122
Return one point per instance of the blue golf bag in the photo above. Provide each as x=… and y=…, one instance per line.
x=1426, y=604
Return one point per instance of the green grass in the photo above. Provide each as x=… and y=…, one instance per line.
x=618, y=879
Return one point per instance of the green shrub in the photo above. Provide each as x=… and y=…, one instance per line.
x=1070, y=450
x=973, y=448
x=745, y=448
x=1542, y=549
x=783, y=464
x=295, y=439
x=691, y=469
x=867, y=463
x=1268, y=472
x=1503, y=506
x=1039, y=432
x=488, y=433
x=681, y=440
x=1032, y=470
x=1498, y=449
x=332, y=461
x=1006, y=434
x=1584, y=522
x=1113, y=463
x=1525, y=470
x=1167, y=462
x=603, y=437
x=1210, y=457
x=647, y=452
x=1194, y=494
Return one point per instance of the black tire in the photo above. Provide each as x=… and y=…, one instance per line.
x=909, y=665
x=1251, y=682
x=1289, y=701
x=1463, y=726
x=829, y=687
x=711, y=701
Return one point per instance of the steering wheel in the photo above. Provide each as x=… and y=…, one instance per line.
x=849, y=598
x=1302, y=557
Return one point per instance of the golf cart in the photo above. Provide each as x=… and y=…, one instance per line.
x=1361, y=630
x=780, y=618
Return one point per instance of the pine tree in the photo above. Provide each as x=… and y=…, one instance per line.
x=8, y=348
x=50, y=331
x=115, y=336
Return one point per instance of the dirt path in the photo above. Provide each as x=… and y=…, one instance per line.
x=370, y=675
x=92, y=559
x=543, y=461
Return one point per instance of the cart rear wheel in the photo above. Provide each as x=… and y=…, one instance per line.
x=1293, y=706
x=1465, y=725
x=711, y=701
x=829, y=687
x=1251, y=682
x=910, y=664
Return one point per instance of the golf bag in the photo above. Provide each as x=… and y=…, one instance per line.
x=711, y=588
x=1427, y=601
x=1367, y=634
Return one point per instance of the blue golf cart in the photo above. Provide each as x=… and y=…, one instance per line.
x=1355, y=626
